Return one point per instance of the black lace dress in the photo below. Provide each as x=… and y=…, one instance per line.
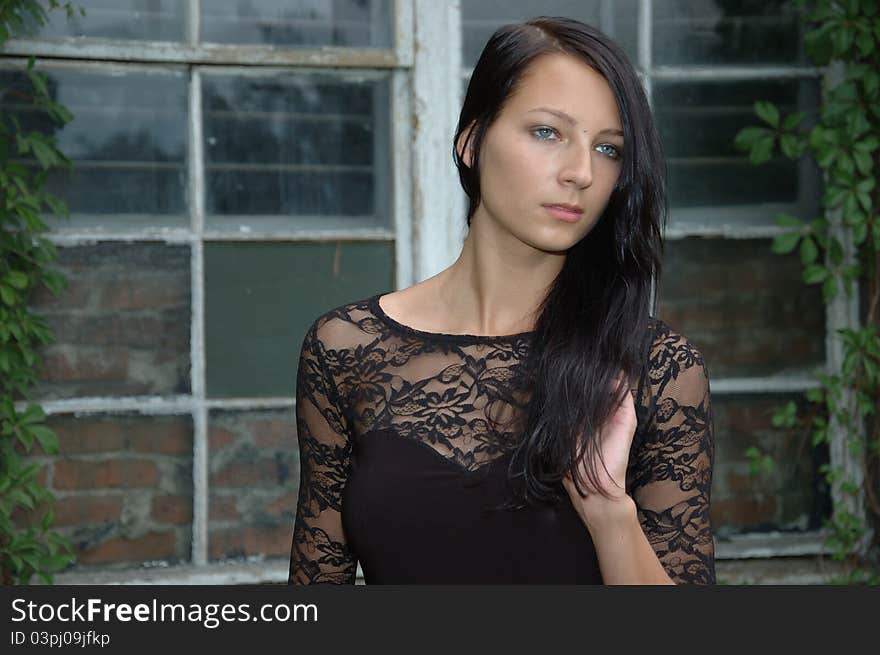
x=397, y=470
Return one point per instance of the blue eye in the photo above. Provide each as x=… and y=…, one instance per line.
x=616, y=153
x=544, y=130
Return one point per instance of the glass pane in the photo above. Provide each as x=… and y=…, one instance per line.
x=353, y=23
x=127, y=142
x=122, y=325
x=744, y=307
x=254, y=479
x=310, y=148
x=260, y=298
x=123, y=487
x=139, y=20
x=698, y=122
x=793, y=496
x=727, y=32
x=480, y=19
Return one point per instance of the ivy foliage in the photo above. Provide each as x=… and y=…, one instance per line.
x=844, y=142
x=28, y=544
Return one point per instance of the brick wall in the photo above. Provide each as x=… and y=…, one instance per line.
x=121, y=326
x=745, y=307
x=124, y=482
x=791, y=497
x=254, y=478
x=123, y=487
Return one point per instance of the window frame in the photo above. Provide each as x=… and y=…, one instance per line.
x=427, y=219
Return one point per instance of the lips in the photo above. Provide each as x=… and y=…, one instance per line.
x=574, y=209
x=563, y=213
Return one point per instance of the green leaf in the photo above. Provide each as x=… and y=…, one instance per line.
x=48, y=440
x=8, y=296
x=785, y=243
x=762, y=150
x=33, y=414
x=792, y=120
x=815, y=273
x=787, y=220
x=767, y=112
x=44, y=154
x=865, y=43
x=748, y=136
x=865, y=185
x=868, y=144
x=835, y=251
x=16, y=279
x=808, y=251
x=791, y=146
x=829, y=289
x=863, y=160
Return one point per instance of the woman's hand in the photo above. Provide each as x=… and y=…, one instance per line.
x=614, y=439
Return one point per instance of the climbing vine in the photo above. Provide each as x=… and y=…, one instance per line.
x=28, y=544
x=837, y=250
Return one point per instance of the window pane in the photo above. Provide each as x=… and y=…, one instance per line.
x=139, y=20
x=254, y=478
x=727, y=32
x=127, y=142
x=743, y=306
x=480, y=19
x=121, y=326
x=123, y=487
x=698, y=122
x=260, y=298
x=311, y=148
x=793, y=496
x=359, y=23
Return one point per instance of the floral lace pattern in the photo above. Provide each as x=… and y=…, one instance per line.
x=459, y=395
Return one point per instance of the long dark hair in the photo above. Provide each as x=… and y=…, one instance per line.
x=594, y=321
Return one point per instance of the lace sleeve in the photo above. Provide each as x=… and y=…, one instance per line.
x=319, y=553
x=672, y=474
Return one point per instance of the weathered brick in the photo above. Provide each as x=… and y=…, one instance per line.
x=250, y=540
x=87, y=509
x=144, y=292
x=743, y=513
x=746, y=307
x=223, y=507
x=79, y=293
x=168, y=436
x=151, y=546
x=219, y=437
x=124, y=328
x=84, y=434
x=273, y=433
x=116, y=473
x=284, y=505
x=243, y=473
x=63, y=364
x=174, y=509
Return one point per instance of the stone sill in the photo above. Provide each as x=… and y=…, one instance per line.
x=766, y=571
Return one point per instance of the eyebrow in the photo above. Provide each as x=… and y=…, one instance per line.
x=568, y=119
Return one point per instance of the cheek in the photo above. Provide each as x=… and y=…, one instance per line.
x=509, y=170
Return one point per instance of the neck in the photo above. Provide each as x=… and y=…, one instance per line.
x=497, y=283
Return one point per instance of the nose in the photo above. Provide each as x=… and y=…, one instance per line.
x=578, y=168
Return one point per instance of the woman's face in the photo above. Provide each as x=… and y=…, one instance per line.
x=558, y=139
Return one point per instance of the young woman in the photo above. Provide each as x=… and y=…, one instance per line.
x=519, y=417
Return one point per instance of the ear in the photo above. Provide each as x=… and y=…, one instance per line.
x=466, y=156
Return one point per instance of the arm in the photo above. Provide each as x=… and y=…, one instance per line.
x=657, y=531
x=672, y=464
x=319, y=553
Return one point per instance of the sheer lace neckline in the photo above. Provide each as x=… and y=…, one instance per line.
x=439, y=336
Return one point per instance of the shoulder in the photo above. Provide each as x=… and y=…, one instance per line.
x=676, y=364
x=345, y=325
